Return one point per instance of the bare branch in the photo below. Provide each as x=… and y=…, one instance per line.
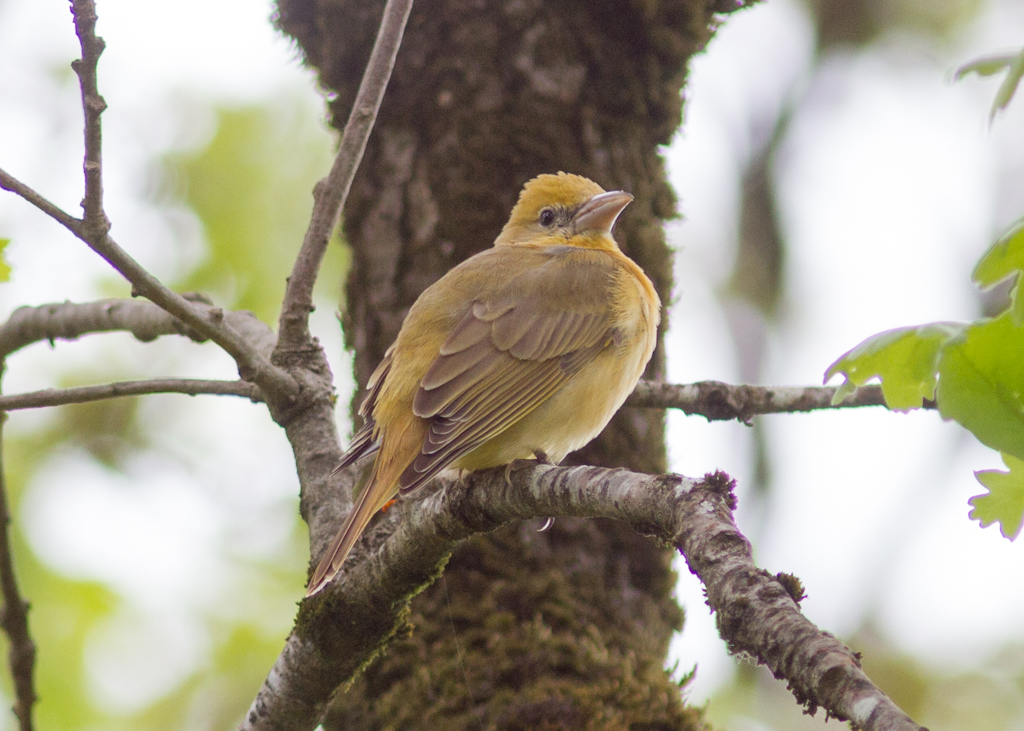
x=12, y=184
x=14, y=615
x=145, y=320
x=204, y=321
x=211, y=323
x=758, y=614
x=717, y=401
x=83, y=394
x=253, y=364
x=330, y=193
x=84, y=12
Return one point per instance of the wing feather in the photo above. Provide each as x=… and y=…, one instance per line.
x=469, y=332
x=429, y=402
x=365, y=441
x=363, y=445
x=513, y=348
x=452, y=365
x=376, y=382
x=446, y=449
x=537, y=333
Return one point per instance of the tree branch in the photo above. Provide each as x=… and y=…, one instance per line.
x=204, y=322
x=338, y=632
x=83, y=394
x=95, y=219
x=253, y=365
x=14, y=616
x=145, y=320
x=330, y=193
x=9, y=183
x=717, y=401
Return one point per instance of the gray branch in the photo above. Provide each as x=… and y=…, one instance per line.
x=210, y=322
x=21, y=653
x=330, y=193
x=119, y=389
x=11, y=184
x=93, y=229
x=339, y=631
x=145, y=320
x=93, y=105
x=717, y=401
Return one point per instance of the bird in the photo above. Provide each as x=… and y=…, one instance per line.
x=523, y=351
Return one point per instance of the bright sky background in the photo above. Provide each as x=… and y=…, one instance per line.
x=892, y=185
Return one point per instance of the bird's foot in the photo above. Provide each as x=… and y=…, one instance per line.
x=542, y=458
x=508, y=470
x=539, y=457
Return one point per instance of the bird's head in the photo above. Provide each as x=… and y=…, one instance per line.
x=564, y=209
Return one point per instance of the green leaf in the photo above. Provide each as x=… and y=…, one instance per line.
x=985, y=66
x=5, y=268
x=1004, y=503
x=991, y=65
x=905, y=359
x=1004, y=259
x=981, y=383
x=1009, y=86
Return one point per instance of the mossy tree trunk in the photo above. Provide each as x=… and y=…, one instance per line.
x=569, y=628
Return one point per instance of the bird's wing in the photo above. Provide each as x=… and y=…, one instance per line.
x=366, y=442
x=509, y=353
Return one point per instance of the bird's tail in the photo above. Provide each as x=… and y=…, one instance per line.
x=355, y=522
x=380, y=488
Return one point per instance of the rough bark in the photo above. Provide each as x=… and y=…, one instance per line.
x=483, y=97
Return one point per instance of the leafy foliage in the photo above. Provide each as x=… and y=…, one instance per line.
x=1004, y=503
x=975, y=371
x=991, y=65
x=1004, y=260
x=981, y=383
x=5, y=268
x=905, y=360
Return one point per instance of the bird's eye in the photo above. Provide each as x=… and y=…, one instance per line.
x=547, y=217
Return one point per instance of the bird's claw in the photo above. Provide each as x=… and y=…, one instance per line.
x=539, y=457
x=514, y=465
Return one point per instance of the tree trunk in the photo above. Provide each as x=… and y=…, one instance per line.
x=569, y=628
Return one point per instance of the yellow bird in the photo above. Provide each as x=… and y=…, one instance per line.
x=524, y=350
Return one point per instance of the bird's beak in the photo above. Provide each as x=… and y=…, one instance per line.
x=599, y=213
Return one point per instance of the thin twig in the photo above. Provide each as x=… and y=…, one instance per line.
x=758, y=614
x=253, y=365
x=83, y=394
x=14, y=615
x=717, y=401
x=209, y=322
x=330, y=193
x=12, y=184
x=84, y=12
